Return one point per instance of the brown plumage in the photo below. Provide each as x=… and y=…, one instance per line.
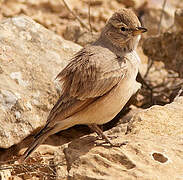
x=98, y=81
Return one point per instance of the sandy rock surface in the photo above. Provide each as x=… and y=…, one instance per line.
x=31, y=57
x=154, y=149
x=159, y=120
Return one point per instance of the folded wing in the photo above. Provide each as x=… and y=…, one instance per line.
x=87, y=77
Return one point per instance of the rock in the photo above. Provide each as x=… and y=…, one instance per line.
x=159, y=121
x=5, y=174
x=178, y=19
x=31, y=56
x=132, y=3
x=154, y=149
x=76, y=34
x=150, y=14
x=151, y=18
x=177, y=3
x=139, y=159
x=166, y=47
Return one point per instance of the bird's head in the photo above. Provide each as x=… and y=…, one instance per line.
x=123, y=30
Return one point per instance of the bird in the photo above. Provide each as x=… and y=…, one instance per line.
x=98, y=81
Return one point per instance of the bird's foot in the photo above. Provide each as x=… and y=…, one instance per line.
x=111, y=144
x=95, y=128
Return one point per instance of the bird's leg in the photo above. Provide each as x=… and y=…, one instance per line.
x=96, y=129
x=92, y=127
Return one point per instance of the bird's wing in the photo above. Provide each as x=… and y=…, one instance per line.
x=87, y=77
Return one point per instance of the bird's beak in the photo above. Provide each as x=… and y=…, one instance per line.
x=139, y=30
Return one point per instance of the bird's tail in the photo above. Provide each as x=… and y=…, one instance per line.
x=44, y=133
x=39, y=138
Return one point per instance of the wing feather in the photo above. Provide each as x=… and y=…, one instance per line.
x=87, y=77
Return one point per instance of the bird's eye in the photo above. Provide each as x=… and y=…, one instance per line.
x=123, y=29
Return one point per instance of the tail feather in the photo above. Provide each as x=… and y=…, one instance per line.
x=38, y=140
x=44, y=129
x=44, y=133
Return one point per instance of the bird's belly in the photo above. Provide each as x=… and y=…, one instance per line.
x=108, y=106
x=112, y=103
